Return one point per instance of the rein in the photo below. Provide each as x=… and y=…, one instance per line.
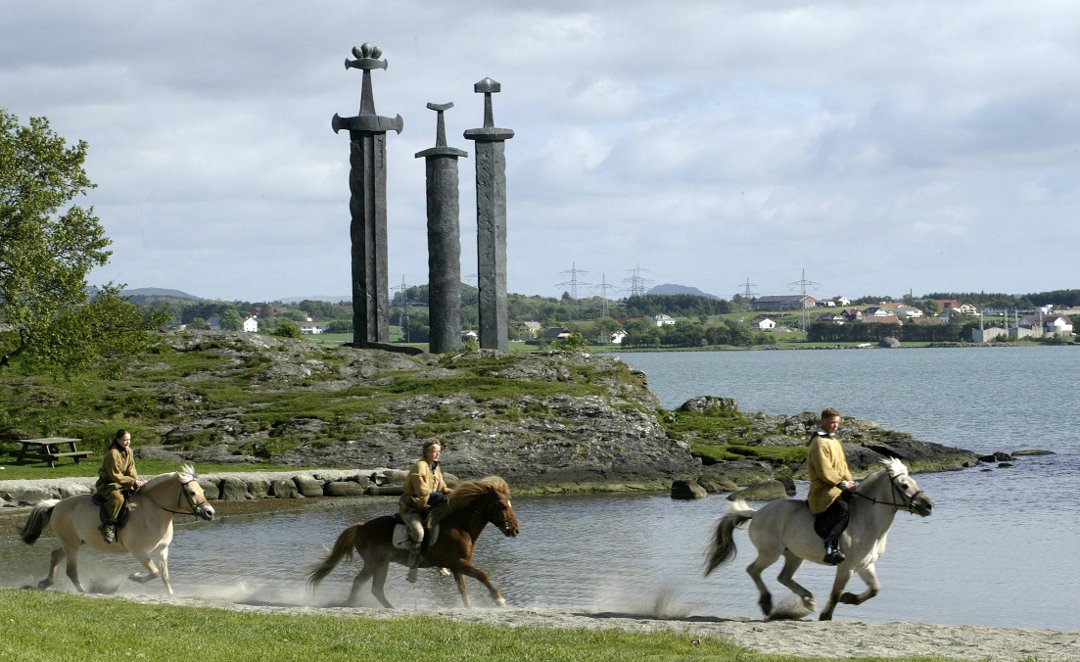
x=892, y=483
x=191, y=504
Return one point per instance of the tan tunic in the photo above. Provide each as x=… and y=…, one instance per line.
x=422, y=481
x=117, y=471
x=826, y=466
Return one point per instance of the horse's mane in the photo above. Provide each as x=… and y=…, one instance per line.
x=466, y=494
x=893, y=468
x=186, y=474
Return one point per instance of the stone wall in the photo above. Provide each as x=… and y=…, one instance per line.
x=235, y=486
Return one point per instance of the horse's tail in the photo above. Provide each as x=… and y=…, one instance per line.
x=722, y=547
x=343, y=548
x=38, y=521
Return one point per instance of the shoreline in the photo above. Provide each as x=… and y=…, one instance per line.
x=812, y=639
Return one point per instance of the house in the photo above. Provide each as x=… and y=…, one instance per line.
x=951, y=307
x=663, y=320
x=833, y=318
x=762, y=323
x=617, y=336
x=466, y=336
x=877, y=311
x=882, y=319
x=908, y=312
x=251, y=324
x=852, y=315
x=531, y=328
x=214, y=323
x=310, y=328
x=556, y=333
x=784, y=302
x=1052, y=324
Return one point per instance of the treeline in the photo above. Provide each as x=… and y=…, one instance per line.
x=1064, y=298
x=872, y=332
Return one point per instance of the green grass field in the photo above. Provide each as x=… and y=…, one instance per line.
x=58, y=627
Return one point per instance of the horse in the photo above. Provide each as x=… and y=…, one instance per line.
x=468, y=509
x=786, y=527
x=146, y=536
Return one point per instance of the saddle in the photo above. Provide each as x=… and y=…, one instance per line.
x=103, y=514
x=401, y=539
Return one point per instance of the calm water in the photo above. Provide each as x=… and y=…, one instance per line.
x=999, y=550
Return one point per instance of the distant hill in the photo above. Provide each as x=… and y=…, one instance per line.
x=670, y=288
x=141, y=294
x=347, y=298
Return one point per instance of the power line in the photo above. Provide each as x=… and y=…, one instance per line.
x=403, y=319
x=804, y=315
x=573, y=282
x=746, y=292
x=637, y=283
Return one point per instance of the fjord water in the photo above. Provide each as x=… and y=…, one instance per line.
x=999, y=550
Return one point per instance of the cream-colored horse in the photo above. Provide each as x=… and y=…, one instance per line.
x=786, y=527
x=146, y=536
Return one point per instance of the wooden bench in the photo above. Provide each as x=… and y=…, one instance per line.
x=50, y=449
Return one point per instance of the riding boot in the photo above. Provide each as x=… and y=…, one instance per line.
x=108, y=531
x=833, y=555
x=414, y=562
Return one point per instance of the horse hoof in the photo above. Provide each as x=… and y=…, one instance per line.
x=501, y=602
x=810, y=603
x=825, y=617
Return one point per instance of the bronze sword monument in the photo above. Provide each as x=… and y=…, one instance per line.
x=443, y=239
x=367, y=204
x=491, y=222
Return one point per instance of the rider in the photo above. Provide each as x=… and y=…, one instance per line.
x=831, y=485
x=116, y=475
x=424, y=488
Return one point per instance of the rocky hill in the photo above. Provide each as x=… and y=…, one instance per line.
x=550, y=418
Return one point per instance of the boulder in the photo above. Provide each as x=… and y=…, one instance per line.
x=765, y=491
x=344, y=488
x=284, y=489
x=686, y=490
x=308, y=486
x=234, y=489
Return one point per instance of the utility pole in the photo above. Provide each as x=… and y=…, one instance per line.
x=746, y=288
x=403, y=318
x=573, y=282
x=804, y=317
x=637, y=283
x=604, y=287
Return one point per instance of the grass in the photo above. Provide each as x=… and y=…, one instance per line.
x=716, y=435
x=56, y=627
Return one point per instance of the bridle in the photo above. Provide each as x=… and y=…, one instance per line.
x=907, y=501
x=504, y=524
x=191, y=502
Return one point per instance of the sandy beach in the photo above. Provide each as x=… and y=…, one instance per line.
x=834, y=639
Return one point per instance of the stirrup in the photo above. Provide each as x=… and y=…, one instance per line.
x=834, y=557
x=108, y=532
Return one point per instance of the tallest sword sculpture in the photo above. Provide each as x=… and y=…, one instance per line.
x=491, y=222
x=367, y=204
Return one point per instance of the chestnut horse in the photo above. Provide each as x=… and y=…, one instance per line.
x=785, y=528
x=146, y=536
x=469, y=508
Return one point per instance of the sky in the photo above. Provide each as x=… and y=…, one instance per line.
x=744, y=146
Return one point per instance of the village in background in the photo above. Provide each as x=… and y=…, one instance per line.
x=664, y=316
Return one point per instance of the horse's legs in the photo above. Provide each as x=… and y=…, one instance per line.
x=873, y=586
x=54, y=568
x=72, y=554
x=361, y=577
x=787, y=578
x=378, y=582
x=466, y=568
x=843, y=574
x=163, y=564
x=144, y=558
x=763, y=560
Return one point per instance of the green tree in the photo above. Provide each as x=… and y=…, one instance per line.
x=286, y=328
x=47, y=247
x=231, y=320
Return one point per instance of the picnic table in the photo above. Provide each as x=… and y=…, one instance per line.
x=50, y=449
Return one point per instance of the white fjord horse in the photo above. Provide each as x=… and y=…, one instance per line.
x=146, y=535
x=785, y=528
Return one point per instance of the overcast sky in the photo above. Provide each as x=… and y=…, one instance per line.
x=883, y=147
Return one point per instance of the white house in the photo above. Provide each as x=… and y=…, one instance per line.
x=617, y=336
x=904, y=310
x=310, y=328
x=663, y=320
x=251, y=325
x=762, y=323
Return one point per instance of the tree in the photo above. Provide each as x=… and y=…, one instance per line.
x=231, y=320
x=286, y=328
x=47, y=244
